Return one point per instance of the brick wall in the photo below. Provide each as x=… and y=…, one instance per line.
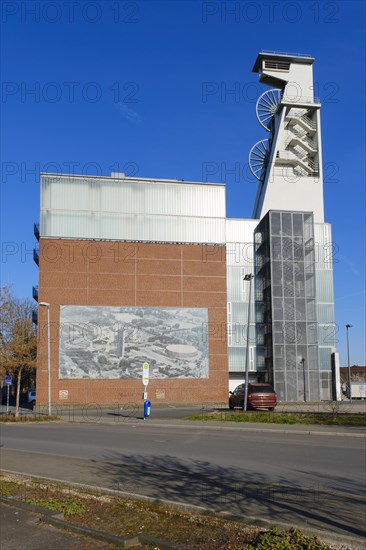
x=132, y=274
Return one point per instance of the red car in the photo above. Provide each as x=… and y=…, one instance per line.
x=260, y=396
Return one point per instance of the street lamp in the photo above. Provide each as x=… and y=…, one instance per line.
x=349, y=366
x=47, y=305
x=249, y=277
x=303, y=374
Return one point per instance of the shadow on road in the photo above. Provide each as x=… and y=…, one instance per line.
x=234, y=491
x=129, y=416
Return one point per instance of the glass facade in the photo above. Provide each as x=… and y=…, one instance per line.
x=286, y=305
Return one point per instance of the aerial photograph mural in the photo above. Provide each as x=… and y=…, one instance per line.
x=98, y=342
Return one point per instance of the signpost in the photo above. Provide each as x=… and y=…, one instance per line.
x=8, y=382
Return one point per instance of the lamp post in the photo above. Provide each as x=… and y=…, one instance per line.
x=47, y=305
x=349, y=366
x=304, y=378
x=249, y=277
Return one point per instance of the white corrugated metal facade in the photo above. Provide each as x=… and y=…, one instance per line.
x=240, y=262
x=131, y=209
x=324, y=258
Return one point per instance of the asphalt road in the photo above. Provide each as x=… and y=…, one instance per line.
x=308, y=481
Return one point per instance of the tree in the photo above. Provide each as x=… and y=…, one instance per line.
x=18, y=339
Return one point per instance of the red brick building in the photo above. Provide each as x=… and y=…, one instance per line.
x=158, y=288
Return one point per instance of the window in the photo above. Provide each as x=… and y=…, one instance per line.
x=229, y=334
x=283, y=66
x=243, y=283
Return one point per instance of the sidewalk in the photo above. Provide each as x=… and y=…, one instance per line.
x=21, y=529
x=28, y=527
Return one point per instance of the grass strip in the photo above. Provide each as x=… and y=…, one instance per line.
x=28, y=418
x=325, y=419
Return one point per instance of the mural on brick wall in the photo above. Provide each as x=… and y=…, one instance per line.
x=98, y=342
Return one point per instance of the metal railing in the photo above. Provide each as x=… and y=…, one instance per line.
x=313, y=165
x=303, y=139
x=298, y=154
x=295, y=156
x=35, y=293
x=298, y=133
x=287, y=53
x=300, y=116
x=36, y=255
x=34, y=316
x=36, y=230
x=308, y=121
x=300, y=171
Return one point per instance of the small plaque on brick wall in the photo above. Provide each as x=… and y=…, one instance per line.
x=63, y=394
x=160, y=394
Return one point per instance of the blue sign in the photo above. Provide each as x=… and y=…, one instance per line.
x=8, y=380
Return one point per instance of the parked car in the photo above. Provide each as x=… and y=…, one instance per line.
x=260, y=396
x=32, y=396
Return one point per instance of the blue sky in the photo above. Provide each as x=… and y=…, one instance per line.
x=144, y=88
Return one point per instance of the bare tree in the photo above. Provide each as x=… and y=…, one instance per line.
x=18, y=339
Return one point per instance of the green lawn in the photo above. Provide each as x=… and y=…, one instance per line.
x=27, y=418
x=269, y=417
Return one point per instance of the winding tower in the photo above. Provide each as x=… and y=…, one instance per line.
x=288, y=162
x=292, y=245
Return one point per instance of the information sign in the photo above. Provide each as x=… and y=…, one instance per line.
x=145, y=374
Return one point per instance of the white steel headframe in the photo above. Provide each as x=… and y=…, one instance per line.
x=289, y=169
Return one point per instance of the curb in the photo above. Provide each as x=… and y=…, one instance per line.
x=242, y=427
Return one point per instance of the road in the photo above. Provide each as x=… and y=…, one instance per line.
x=295, y=479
